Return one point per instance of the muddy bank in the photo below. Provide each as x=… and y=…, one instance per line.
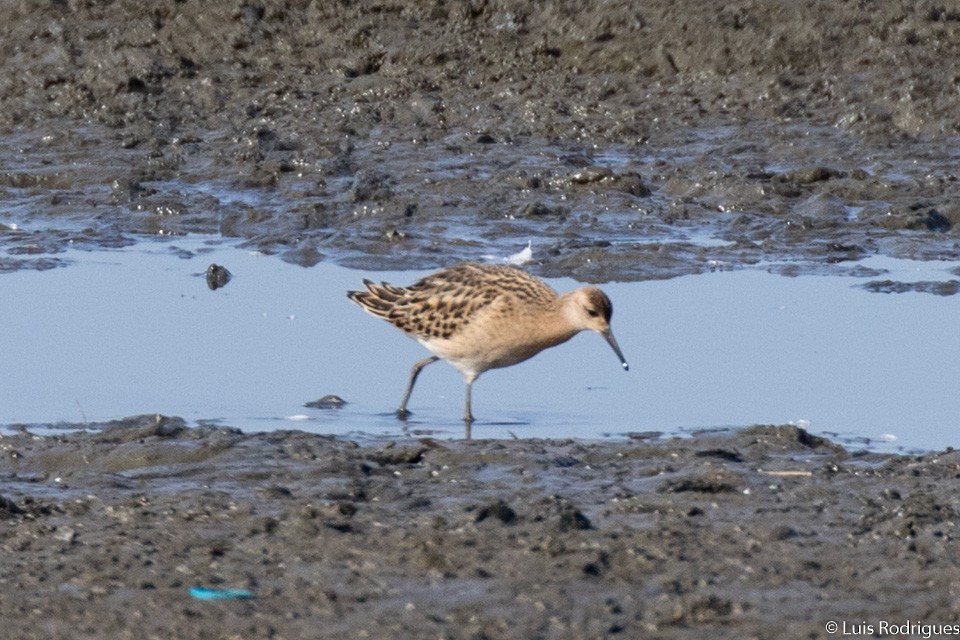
x=764, y=532
x=626, y=142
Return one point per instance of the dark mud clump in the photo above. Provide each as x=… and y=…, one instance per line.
x=763, y=532
x=940, y=288
x=625, y=141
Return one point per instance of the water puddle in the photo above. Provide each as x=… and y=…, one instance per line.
x=133, y=330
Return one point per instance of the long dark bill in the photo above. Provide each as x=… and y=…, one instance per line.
x=608, y=334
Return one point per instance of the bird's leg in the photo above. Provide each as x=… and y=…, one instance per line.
x=467, y=415
x=402, y=412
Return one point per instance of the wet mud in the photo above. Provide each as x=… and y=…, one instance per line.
x=626, y=142
x=763, y=532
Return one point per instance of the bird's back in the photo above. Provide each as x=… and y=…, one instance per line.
x=445, y=303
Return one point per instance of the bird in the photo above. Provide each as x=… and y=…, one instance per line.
x=479, y=316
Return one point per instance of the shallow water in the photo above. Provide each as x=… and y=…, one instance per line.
x=133, y=330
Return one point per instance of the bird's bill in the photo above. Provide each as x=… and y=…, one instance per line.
x=608, y=334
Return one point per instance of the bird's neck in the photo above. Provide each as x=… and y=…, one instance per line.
x=557, y=326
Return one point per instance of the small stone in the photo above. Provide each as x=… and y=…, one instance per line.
x=217, y=276
x=329, y=401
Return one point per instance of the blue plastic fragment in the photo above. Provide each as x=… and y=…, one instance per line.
x=204, y=593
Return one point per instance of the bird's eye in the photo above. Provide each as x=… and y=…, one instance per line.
x=593, y=313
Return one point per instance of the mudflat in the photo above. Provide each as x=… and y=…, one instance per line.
x=403, y=134
x=761, y=532
x=614, y=136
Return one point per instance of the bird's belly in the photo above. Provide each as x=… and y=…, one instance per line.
x=474, y=357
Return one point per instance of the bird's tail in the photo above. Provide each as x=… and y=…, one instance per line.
x=378, y=299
